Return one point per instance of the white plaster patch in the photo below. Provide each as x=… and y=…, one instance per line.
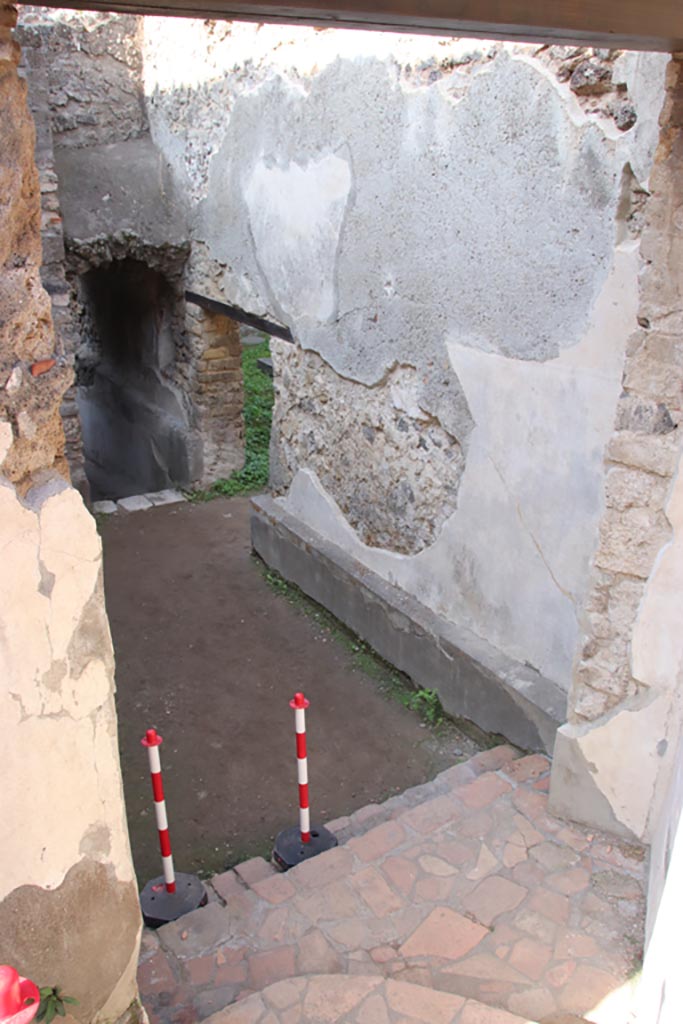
x=5, y=440
x=59, y=733
x=660, y=992
x=307, y=500
x=644, y=75
x=296, y=214
x=23, y=609
x=657, y=645
x=90, y=691
x=70, y=549
x=622, y=753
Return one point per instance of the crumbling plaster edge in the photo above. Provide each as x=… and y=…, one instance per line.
x=617, y=768
x=49, y=484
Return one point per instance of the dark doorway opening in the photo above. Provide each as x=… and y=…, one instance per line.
x=135, y=423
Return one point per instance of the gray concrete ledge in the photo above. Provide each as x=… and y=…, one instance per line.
x=473, y=680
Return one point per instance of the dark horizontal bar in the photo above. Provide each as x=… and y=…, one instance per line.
x=624, y=24
x=235, y=313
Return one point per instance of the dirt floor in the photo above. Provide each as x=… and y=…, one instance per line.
x=210, y=653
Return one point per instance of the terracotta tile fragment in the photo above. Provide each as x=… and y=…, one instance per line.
x=444, y=934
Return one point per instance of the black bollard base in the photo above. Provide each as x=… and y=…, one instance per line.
x=160, y=907
x=290, y=851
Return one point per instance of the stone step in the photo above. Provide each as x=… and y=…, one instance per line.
x=465, y=886
x=138, y=502
x=327, y=998
x=226, y=885
x=371, y=815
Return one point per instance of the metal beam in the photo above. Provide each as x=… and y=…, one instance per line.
x=628, y=24
x=235, y=313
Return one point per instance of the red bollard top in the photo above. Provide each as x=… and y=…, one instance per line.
x=151, y=739
x=299, y=701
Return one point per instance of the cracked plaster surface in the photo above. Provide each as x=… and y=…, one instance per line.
x=57, y=694
x=435, y=225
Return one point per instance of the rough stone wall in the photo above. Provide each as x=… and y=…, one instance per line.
x=28, y=401
x=449, y=228
x=643, y=452
x=36, y=68
x=95, y=80
x=363, y=444
x=68, y=905
x=626, y=690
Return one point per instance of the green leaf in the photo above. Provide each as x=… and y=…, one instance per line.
x=60, y=1009
x=69, y=999
x=50, y=1015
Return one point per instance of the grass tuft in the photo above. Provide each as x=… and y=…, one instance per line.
x=389, y=680
x=258, y=418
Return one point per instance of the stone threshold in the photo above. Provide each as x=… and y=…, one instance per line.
x=138, y=502
x=473, y=679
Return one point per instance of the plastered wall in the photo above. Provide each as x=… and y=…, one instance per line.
x=451, y=230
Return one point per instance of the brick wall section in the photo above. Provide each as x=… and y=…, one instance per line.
x=643, y=451
x=217, y=391
x=36, y=67
x=29, y=401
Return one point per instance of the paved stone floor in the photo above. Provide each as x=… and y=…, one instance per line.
x=465, y=889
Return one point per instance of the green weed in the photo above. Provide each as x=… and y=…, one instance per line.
x=52, y=1003
x=390, y=681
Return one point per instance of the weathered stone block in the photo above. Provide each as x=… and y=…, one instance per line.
x=135, y=503
x=654, y=453
x=632, y=488
x=654, y=378
x=630, y=540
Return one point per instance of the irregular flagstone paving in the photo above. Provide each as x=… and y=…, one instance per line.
x=466, y=887
x=358, y=1000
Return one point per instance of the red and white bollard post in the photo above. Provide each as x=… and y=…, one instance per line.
x=167, y=897
x=299, y=703
x=296, y=844
x=152, y=740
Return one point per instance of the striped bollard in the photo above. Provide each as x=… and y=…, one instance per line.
x=169, y=896
x=299, y=843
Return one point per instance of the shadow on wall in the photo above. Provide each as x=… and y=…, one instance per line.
x=135, y=427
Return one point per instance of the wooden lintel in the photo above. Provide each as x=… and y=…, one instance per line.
x=242, y=317
x=624, y=24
